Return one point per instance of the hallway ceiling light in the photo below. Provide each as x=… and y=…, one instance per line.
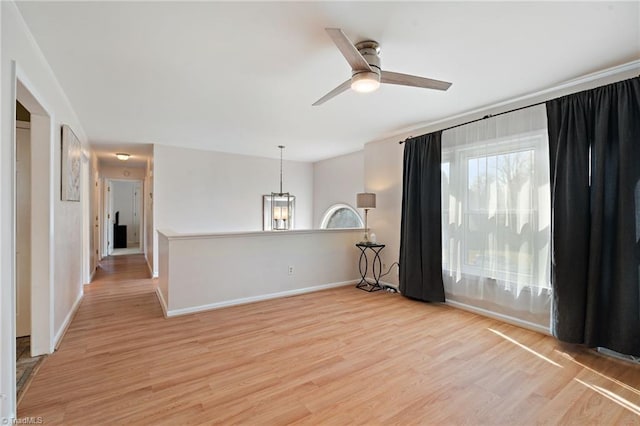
x=122, y=156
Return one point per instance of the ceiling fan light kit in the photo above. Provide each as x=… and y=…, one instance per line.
x=366, y=73
x=365, y=82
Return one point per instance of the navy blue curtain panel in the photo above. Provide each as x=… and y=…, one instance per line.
x=421, y=226
x=596, y=216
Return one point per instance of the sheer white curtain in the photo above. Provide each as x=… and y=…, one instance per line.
x=496, y=215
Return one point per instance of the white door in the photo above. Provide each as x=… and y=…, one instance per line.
x=23, y=230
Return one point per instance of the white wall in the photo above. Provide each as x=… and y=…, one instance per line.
x=383, y=176
x=383, y=161
x=205, y=191
x=122, y=172
x=200, y=272
x=66, y=217
x=337, y=180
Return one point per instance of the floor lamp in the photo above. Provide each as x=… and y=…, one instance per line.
x=366, y=201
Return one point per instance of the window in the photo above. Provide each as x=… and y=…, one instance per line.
x=341, y=216
x=496, y=215
x=499, y=198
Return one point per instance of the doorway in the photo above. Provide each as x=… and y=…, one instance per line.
x=27, y=298
x=26, y=363
x=40, y=218
x=124, y=216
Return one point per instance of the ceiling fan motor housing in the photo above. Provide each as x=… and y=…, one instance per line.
x=370, y=51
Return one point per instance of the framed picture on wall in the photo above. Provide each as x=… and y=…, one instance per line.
x=71, y=161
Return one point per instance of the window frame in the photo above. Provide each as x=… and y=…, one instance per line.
x=523, y=142
x=326, y=217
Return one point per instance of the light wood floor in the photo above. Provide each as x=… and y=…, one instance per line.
x=333, y=357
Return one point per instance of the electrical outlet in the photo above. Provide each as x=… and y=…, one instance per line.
x=290, y=270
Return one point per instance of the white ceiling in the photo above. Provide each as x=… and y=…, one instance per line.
x=241, y=77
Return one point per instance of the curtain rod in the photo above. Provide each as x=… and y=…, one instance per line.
x=493, y=115
x=480, y=119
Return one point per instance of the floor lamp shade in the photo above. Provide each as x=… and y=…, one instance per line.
x=366, y=200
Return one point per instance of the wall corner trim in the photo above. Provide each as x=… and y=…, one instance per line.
x=152, y=273
x=163, y=303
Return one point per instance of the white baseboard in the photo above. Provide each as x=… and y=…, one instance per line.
x=504, y=318
x=245, y=300
x=67, y=321
x=500, y=317
x=618, y=355
x=486, y=313
x=163, y=302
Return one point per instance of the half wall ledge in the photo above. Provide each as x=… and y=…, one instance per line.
x=203, y=271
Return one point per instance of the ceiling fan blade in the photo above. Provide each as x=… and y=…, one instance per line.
x=412, y=80
x=348, y=50
x=335, y=92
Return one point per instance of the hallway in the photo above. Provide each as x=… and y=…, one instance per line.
x=85, y=370
x=120, y=268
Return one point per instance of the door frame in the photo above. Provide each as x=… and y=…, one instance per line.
x=107, y=218
x=42, y=248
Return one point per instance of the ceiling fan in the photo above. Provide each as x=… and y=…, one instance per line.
x=366, y=75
